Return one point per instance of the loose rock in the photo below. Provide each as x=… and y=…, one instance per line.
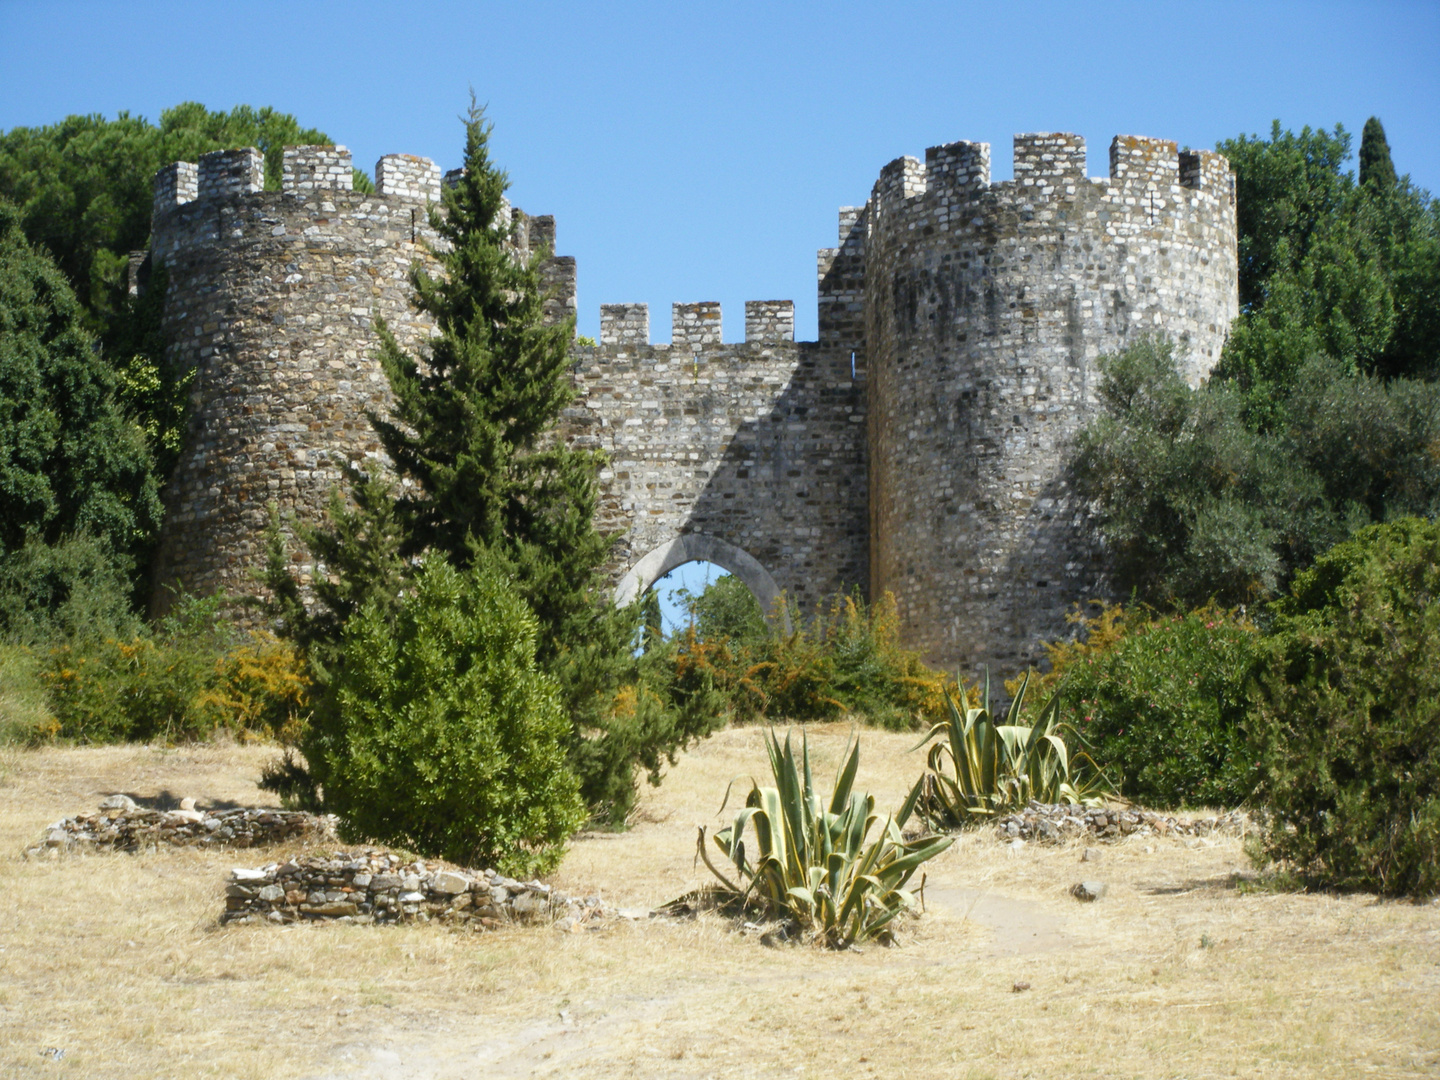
x=120, y=825
x=370, y=885
x=1054, y=822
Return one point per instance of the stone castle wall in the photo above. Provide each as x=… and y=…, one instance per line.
x=916, y=447
x=987, y=306
x=272, y=298
x=748, y=455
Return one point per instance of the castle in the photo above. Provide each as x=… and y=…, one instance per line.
x=917, y=447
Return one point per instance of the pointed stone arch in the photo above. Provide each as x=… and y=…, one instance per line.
x=697, y=547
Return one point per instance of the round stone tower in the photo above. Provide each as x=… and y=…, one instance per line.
x=271, y=298
x=986, y=308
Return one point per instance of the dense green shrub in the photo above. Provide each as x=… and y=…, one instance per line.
x=846, y=660
x=76, y=588
x=1162, y=700
x=1195, y=506
x=188, y=678
x=443, y=734
x=1347, y=721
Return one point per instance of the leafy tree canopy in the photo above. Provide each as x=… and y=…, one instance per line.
x=1196, y=505
x=83, y=185
x=1328, y=265
x=70, y=461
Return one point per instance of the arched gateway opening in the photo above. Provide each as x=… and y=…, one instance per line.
x=696, y=547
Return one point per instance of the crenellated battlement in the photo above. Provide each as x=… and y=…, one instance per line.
x=305, y=170
x=695, y=328
x=918, y=446
x=1051, y=167
x=225, y=174
x=317, y=168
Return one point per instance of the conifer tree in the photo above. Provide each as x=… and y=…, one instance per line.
x=469, y=425
x=488, y=483
x=1376, y=168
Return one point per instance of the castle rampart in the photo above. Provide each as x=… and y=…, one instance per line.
x=987, y=306
x=916, y=447
x=272, y=297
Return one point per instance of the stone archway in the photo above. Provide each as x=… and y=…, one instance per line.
x=696, y=547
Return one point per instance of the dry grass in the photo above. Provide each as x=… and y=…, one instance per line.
x=1175, y=973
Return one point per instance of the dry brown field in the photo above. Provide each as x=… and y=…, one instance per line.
x=1183, y=968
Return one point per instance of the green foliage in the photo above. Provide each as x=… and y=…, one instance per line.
x=1192, y=504
x=816, y=864
x=488, y=485
x=75, y=588
x=70, y=461
x=1162, y=701
x=725, y=608
x=1376, y=168
x=1328, y=265
x=1347, y=722
x=980, y=768
x=24, y=708
x=83, y=185
x=1196, y=506
x=847, y=660
x=83, y=192
x=188, y=678
x=445, y=736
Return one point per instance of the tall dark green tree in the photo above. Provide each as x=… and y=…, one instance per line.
x=1376, y=168
x=488, y=483
x=83, y=184
x=83, y=189
x=70, y=460
x=469, y=426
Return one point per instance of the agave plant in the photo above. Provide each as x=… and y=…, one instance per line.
x=980, y=768
x=816, y=863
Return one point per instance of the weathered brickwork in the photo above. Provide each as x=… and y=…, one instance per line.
x=622, y=324
x=694, y=326
x=769, y=320
x=917, y=447
x=986, y=308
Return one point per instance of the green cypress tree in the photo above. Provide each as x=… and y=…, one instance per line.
x=1376, y=168
x=488, y=484
x=470, y=424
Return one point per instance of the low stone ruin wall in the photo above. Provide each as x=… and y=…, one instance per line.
x=1054, y=822
x=372, y=886
x=121, y=825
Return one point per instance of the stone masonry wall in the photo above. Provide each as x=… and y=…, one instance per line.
x=987, y=306
x=917, y=447
x=759, y=446
x=272, y=296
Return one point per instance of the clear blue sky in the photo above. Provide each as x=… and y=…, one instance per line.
x=700, y=151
